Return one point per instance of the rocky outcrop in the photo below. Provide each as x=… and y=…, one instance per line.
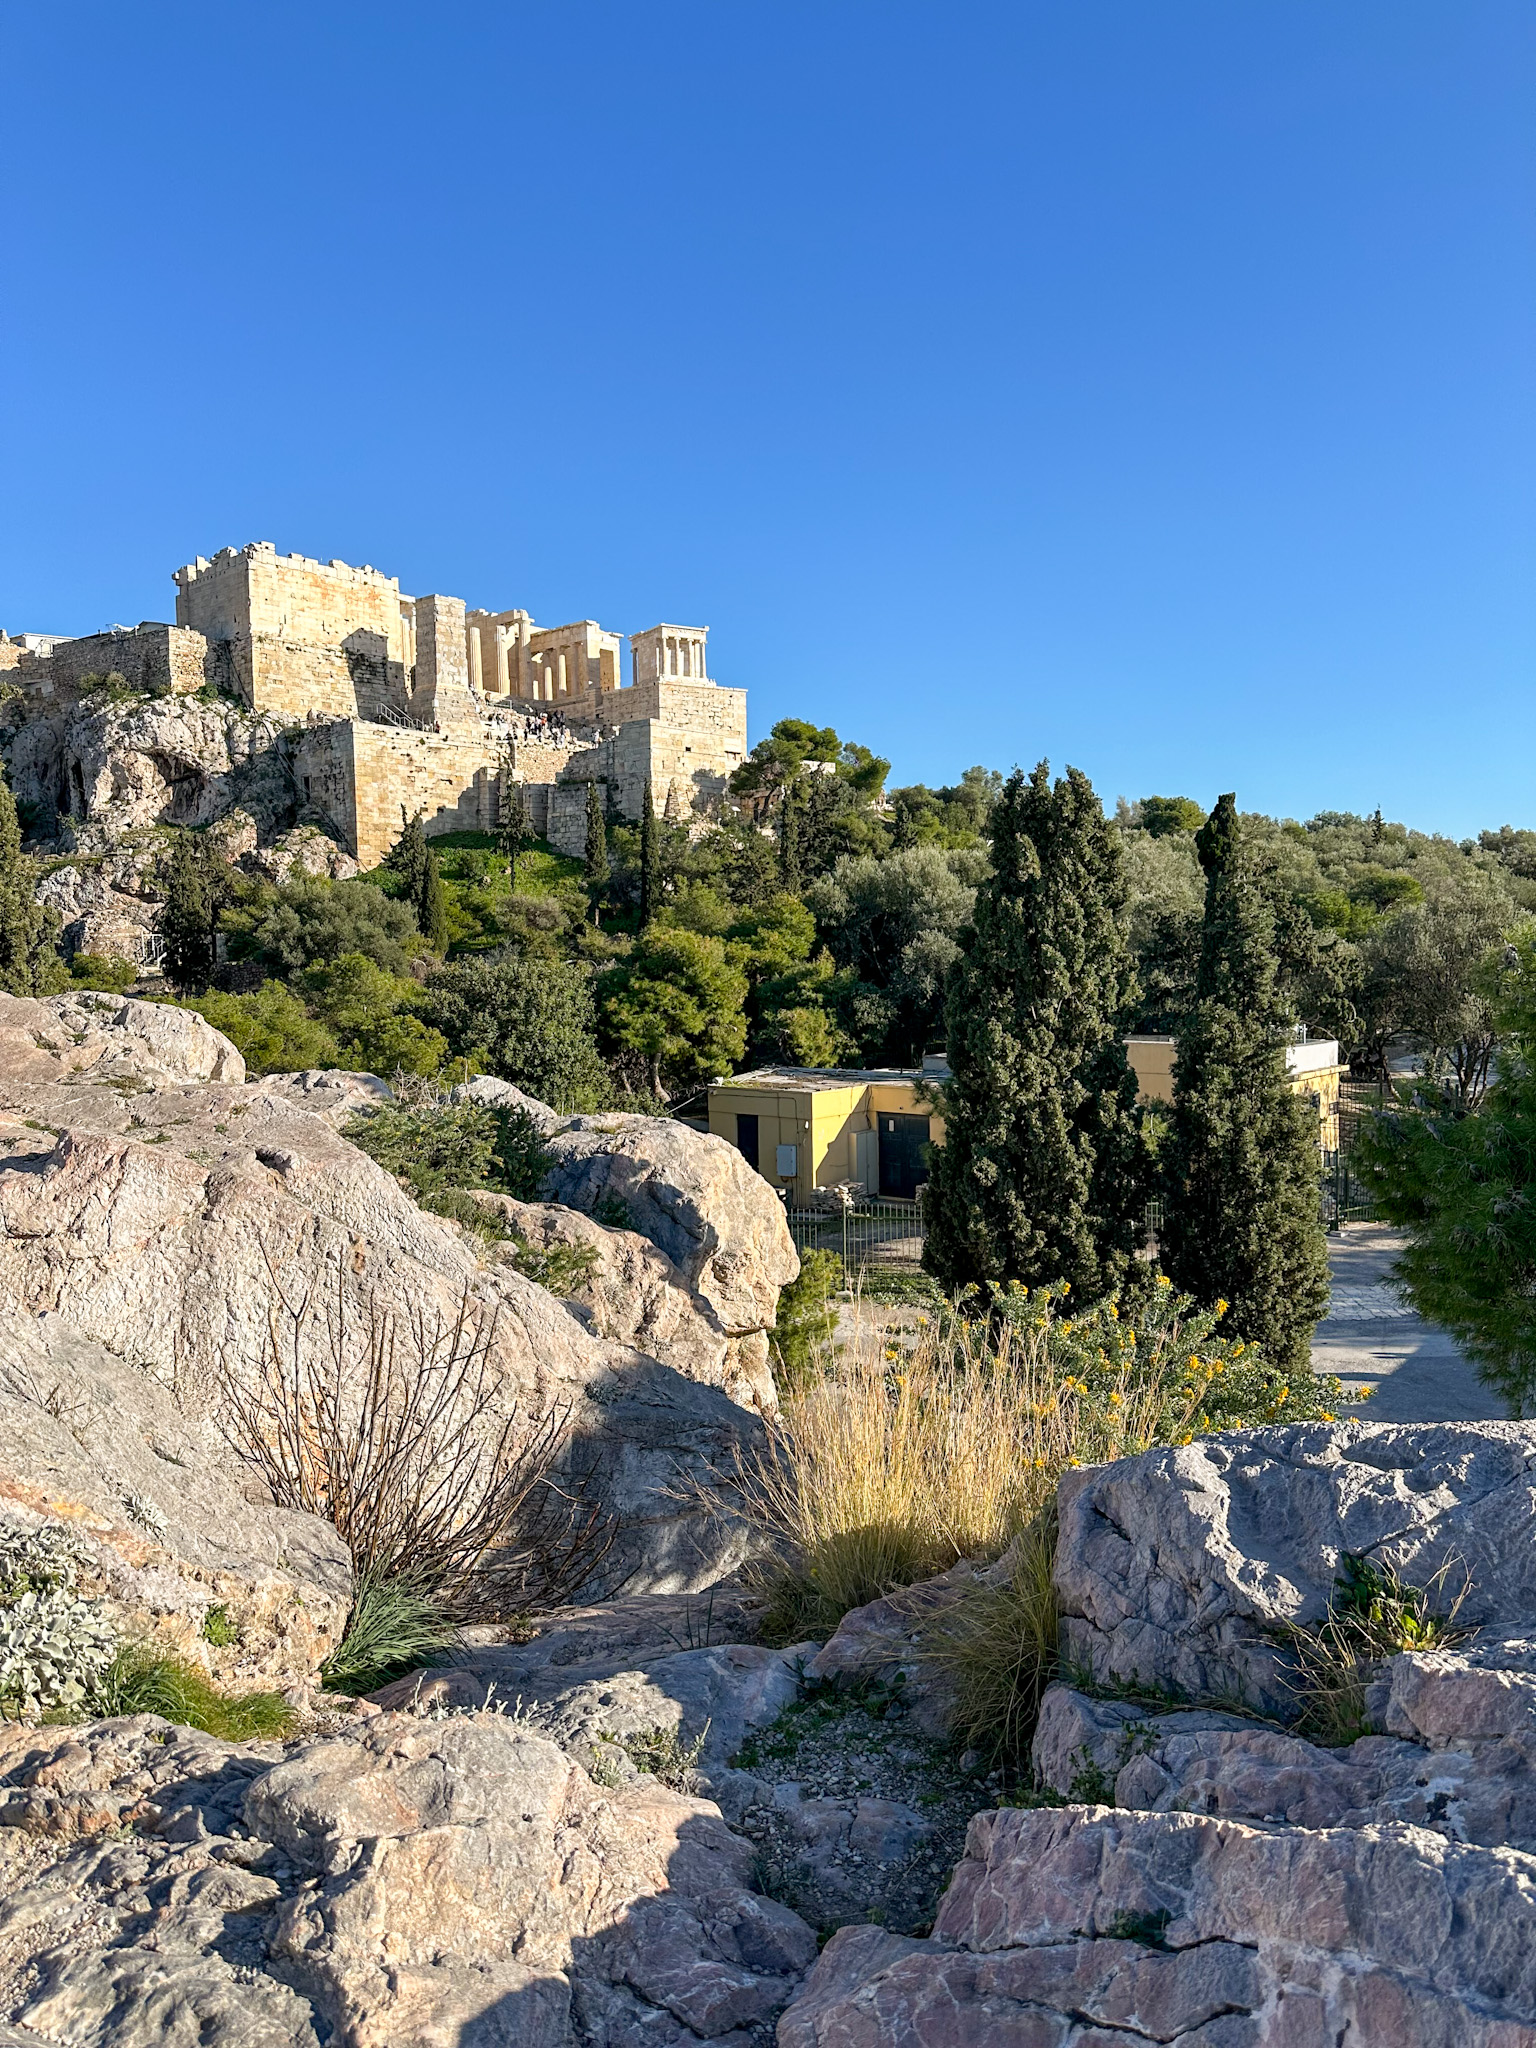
x=1092, y=1928
x=117, y=765
x=129, y=1045
x=702, y=1700
x=629, y=1290
x=705, y=1296
x=694, y=1196
x=169, y=1221
x=171, y=1528
x=1214, y=1877
x=434, y=1882
x=1175, y=1570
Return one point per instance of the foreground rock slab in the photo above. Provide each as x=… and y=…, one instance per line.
x=455, y=1883
x=1088, y=1927
x=171, y=1214
x=1176, y=1569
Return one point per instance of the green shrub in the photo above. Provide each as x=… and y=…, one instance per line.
x=528, y=1020
x=807, y=1315
x=270, y=1028
x=562, y=1268
x=143, y=1680
x=438, y=1145
x=369, y=1011
x=393, y=1628
x=108, y=972
x=315, y=921
x=1372, y=1616
x=219, y=1629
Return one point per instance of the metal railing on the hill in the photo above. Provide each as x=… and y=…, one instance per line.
x=872, y=1232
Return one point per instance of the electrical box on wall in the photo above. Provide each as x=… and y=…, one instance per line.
x=786, y=1161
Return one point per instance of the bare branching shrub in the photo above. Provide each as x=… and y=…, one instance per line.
x=389, y=1428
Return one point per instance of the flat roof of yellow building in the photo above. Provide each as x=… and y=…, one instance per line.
x=817, y=1077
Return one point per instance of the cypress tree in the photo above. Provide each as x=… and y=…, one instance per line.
x=432, y=905
x=595, y=865
x=1243, y=1219
x=516, y=834
x=650, y=860
x=789, y=841
x=197, y=886
x=407, y=858
x=29, y=959
x=1042, y=1172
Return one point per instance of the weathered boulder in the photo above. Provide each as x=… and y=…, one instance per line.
x=113, y=1039
x=717, y=1220
x=1089, y=1927
x=442, y=1882
x=335, y=1093
x=171, y=1222
x=494, y=1093
x=170, y=1524
x=95, y=916
x=704, y=1699
x=1177, y=1569
x=630, y=1290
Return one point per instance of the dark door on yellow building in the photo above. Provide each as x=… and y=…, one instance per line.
x=746, y=1139
x=903, y=1154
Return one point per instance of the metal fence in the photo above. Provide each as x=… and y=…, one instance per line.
x=880, y=1232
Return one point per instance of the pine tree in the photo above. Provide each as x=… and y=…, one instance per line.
x=595, y=866
x=432, y=906
x=650, y=860
x=198, y=888
x=1042, y=1173
x=29, y=959
x=1243, y=1222
x=789, y=840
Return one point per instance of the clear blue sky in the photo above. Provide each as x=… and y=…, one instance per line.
x=1148, y=386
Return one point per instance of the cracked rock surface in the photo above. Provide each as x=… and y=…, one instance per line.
x=454, y=1882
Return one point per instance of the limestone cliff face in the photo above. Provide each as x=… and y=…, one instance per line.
x=122, y=765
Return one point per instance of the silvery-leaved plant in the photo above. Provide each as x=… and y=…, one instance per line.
x=54, y=1642
x=146, y=1513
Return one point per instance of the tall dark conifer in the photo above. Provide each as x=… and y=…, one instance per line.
x=198, y=888
x=650, y=860
x=789, y=839
x=595, y=866
x=407, y=858
x=1041, y=1175
x=29, y=959
x=432, y=906
x=1241, y=1161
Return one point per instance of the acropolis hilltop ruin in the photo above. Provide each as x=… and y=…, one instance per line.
x=394, y=704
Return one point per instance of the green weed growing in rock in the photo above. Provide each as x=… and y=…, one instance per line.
x=1372, y=1616
x=394, y=1628
x=143, y=1680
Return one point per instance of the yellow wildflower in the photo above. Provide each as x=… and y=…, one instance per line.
x=1329, y=1418
x=1163, y=1280
x=1221, y=1308
x=1116, y=1398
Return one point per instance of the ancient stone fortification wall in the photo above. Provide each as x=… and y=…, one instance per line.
x=163, y=660
x=302, y=635
x=363, y=776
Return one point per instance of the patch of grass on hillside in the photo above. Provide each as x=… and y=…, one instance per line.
x=143, y=1680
